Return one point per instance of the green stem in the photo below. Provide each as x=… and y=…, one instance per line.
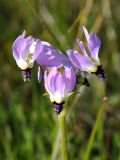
x=92, y=136
x=62, y=121
x=56, y=146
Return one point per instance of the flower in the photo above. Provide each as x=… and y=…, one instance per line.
x=50, y=57
x=59, y=83
x=24, y=54
x=84, y=62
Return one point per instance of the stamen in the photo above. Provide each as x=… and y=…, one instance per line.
x=86, y=82
x=100, y=72
x=58, y=107
x=28, y=58
x=26, y=74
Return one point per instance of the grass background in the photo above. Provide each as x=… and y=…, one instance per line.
x=28, y=123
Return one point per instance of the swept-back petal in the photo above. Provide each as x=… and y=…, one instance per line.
x=29, y=47
x=86, y=33
x=70, y=79
x=80, y=61
x=85, y=63
x=73, y=58
x=50, y=57
x=94, y=44
x=37, y=48
x=19, y=46
x=49, y=80
x=59, y=84
x=82, y=47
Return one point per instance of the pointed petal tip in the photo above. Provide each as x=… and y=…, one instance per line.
x=78, y=40
x=24, y=33
x=84, y=28
x=69, y=51
x=38, y=41
x=86, y=33
x=46, y=43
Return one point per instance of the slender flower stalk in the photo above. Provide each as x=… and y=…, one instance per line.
x=62, y=122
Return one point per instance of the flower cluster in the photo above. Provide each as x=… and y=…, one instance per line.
x=59, y=70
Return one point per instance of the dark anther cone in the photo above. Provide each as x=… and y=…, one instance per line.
x=58, y=107
x=100, y=72
x=86, y=82
x=26, y=74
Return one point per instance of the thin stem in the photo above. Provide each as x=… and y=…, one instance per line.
x=56, y=146
x=62, y=121
x=92, y=136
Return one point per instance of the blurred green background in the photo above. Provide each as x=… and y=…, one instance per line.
x=28, y=123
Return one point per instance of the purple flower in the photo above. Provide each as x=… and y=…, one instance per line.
x=25, y=54
x=50, y=57
x=59, y=83
x=84, y=62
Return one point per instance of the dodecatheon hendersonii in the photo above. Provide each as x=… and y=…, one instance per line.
x=59, y=82
x=83, y=62
x=25, y=54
